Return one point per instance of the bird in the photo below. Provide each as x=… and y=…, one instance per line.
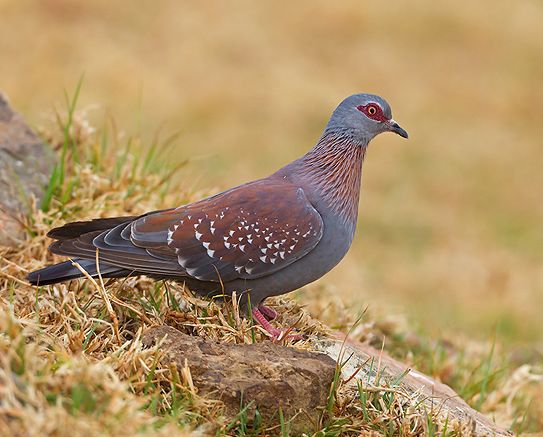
x=264, y=238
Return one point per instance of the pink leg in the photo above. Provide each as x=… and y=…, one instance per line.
x=276, y=333
x=268, y=312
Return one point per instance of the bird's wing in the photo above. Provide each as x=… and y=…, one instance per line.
x=247, y=232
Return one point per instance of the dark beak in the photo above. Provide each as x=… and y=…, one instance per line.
x=395, y=127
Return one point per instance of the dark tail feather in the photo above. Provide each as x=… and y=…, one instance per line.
x=76, y=229
x=65, y=271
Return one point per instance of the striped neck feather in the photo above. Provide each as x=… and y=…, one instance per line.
x=334, y=166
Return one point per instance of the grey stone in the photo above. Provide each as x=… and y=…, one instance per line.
x=359, y=363
x=25, y=167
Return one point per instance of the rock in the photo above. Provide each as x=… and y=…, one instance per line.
x=360, y=360
x=272, y=376
x=25, y=166
x=264, y=374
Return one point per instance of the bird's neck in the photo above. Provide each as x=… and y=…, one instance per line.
x=334, y=168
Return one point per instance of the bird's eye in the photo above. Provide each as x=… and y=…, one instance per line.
x=373, y=111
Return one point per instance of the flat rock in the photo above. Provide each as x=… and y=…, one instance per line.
x=264, y=375
x=25, y=166
x=269, y=377
x=363, y=362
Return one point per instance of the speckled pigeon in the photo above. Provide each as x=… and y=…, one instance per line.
x=263, y=238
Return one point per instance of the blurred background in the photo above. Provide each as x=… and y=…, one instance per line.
x=451, y=221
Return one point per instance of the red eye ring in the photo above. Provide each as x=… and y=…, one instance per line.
x=373, y=111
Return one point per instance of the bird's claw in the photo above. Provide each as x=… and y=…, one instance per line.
x=282, y=334
x=268, y=312
x=275, y=333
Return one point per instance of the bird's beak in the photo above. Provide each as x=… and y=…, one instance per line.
x=395, y=127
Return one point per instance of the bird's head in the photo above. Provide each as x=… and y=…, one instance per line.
x=364, y=116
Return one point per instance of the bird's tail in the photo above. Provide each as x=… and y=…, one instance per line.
x=66, y=271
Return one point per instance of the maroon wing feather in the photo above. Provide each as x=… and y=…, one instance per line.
x=247, y=232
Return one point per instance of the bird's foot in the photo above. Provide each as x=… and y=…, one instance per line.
x=276, y=333
x=267, y=312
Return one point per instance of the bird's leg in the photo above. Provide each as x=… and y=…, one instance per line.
x=268, y=312
x=276, y=333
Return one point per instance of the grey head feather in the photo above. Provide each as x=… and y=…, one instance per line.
x=349, y=121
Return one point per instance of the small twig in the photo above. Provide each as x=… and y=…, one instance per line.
x=105, y=322
x=103, y=294
x=17, y=266
x=212, y=325
x=119, y=302
x=7, y=275
x=349, y=379
x=235, y=308
x=187, y=377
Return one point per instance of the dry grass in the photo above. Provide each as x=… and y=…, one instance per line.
x=72, y=363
